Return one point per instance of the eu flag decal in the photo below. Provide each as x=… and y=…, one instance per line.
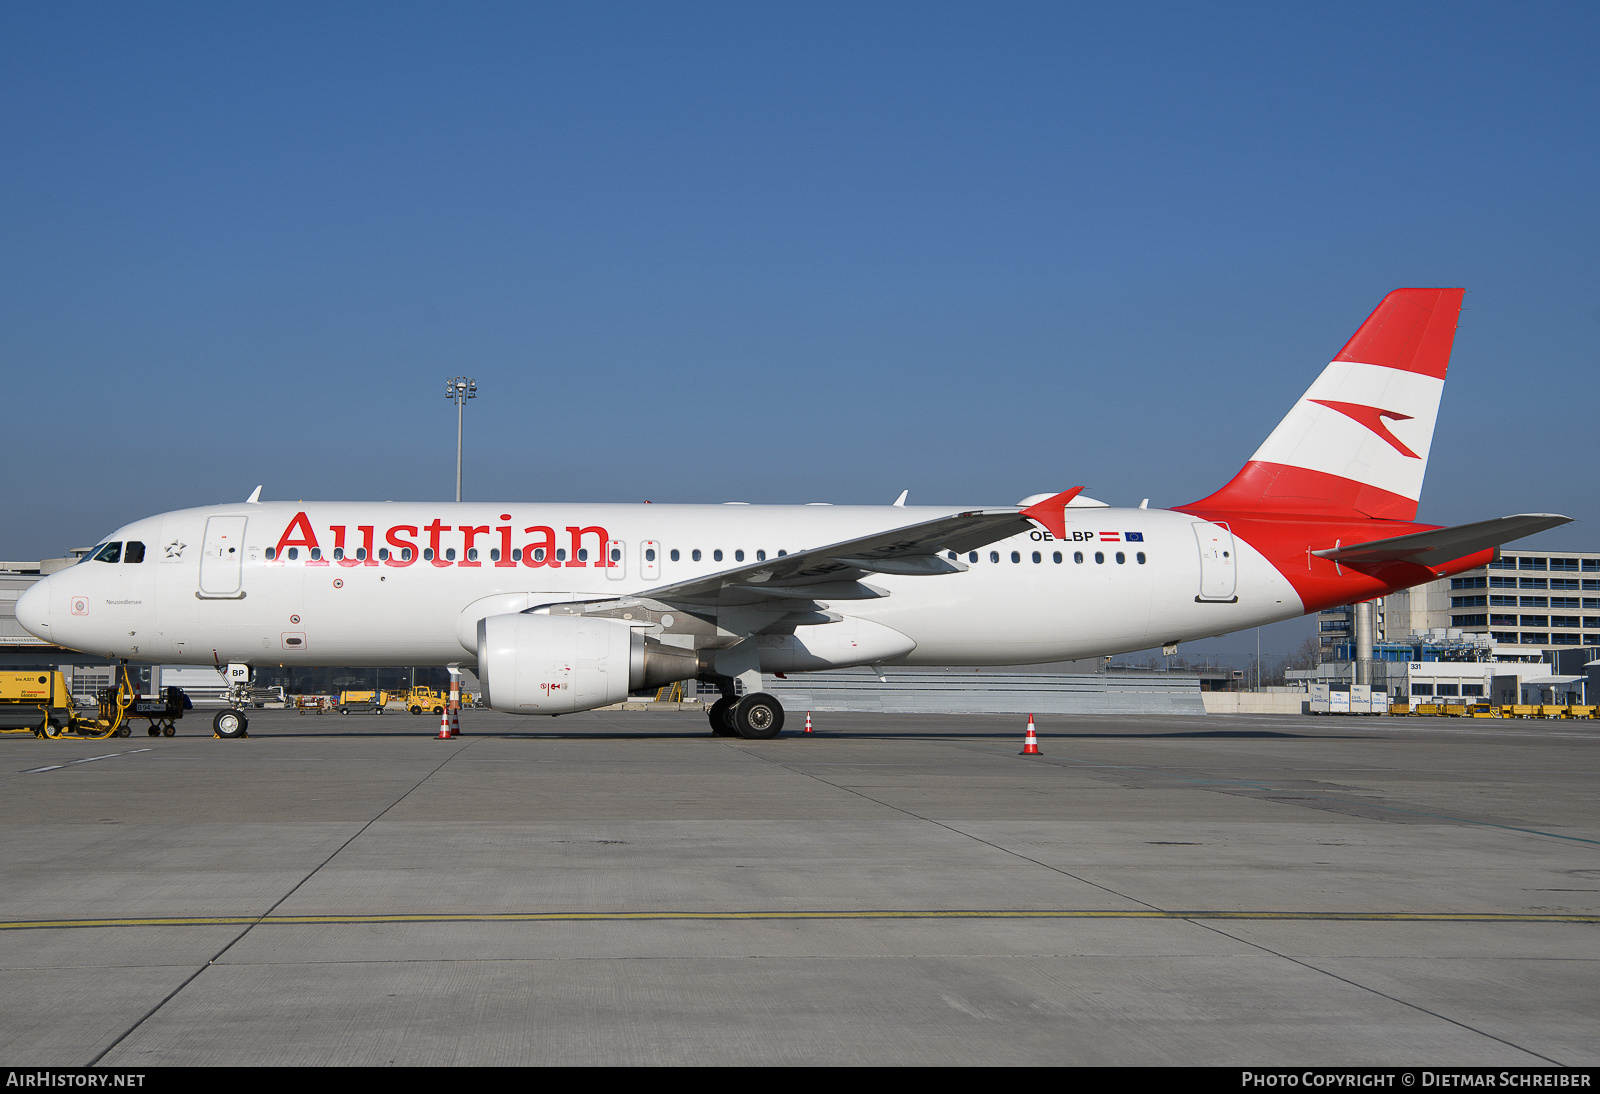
x=1133, y=537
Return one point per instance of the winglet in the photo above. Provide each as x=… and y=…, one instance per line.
x=255, y=496
x=1051, y=513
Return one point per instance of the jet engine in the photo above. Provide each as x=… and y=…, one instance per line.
x=559, y=664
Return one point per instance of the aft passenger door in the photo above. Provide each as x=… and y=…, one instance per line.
x=1219, y=574
x=222, y=558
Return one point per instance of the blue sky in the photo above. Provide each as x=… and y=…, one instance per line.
x=776, y=252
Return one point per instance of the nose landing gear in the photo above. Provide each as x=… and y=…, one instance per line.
x=230, y=724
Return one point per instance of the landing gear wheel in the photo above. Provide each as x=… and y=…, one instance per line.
x=230, y=724
x=721, y=717
x=169, y=730
x=758, y=717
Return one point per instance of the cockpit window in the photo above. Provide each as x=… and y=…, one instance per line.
x=89, y=556
x=111, y=552
x=134, y=553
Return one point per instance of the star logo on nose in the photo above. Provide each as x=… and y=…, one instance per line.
x=1371, y=417
x=175, y=549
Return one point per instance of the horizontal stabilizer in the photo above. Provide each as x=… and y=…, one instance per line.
x=1445, y=544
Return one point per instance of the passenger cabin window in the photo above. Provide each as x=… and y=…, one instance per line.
x=1099, y=558
x=383, y=554
x=717, y=555
x=294, y=553
x=272, y=553
x=1140, y=557
x=449, y=554
x=1037, y=557
x=472, y=554
x=405, y=554
x=695, y=554
x=361, y=553
x=1121, y=558
x=338, y=553
x=1077, y=556
x=738, y=556
x=972, y=556
x=649, y=554
x=761, y=556
x=427, y=554
x=1056, y=556
x=561, y=554
x=494, y=554
x=674, y=555
x=994, y=556
x=1016, y=556
x=134, y=552
x=516, y=554
x=316, y=554
x=111, y=552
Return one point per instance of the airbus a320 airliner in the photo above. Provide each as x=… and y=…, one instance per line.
x=562, y=608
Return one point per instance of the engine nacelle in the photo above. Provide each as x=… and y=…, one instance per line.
x=559, y=664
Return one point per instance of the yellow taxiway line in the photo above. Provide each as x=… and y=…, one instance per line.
x=613, y=917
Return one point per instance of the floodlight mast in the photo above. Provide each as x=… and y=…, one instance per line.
x=459, y=389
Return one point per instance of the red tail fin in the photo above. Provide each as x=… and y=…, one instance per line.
x=1356, y=444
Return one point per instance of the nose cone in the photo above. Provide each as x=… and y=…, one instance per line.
x=33, y=609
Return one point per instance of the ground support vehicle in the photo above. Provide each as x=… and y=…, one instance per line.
x=35, y=702
x=371, y=701
x=420, y=700
x=162, y=710
x=41, y=703
x=315, y=704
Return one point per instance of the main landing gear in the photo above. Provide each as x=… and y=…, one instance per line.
x=756, y=717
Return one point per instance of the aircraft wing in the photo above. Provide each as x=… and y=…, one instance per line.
x=1445, y=544
x=834, y=572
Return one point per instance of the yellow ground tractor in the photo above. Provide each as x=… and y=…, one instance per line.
x=41, y=703
x=420, y=700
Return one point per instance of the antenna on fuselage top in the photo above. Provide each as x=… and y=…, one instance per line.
x=900, y=502
x=254, y=498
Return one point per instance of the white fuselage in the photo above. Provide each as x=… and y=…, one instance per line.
x=248, y=607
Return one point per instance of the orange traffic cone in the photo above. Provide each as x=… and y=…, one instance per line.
x=444, y=725
x=1030, y=743
x=808, y=721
